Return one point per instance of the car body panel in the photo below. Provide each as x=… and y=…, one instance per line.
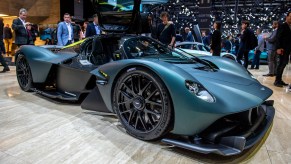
x=250, y=94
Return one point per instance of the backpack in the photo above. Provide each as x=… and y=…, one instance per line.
x=253, y=41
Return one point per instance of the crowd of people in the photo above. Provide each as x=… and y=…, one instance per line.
x=278, y=43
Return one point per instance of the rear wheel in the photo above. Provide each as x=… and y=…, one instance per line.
x=142, y=104
x=23, y=73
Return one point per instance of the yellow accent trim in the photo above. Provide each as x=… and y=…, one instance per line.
x=74, y=44
x=103, y=73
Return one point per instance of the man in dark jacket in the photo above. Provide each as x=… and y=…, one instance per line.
x=93, y=28
x=2, y=49
x=166, y=31
x=18, y=25
x=215, y=46
x=283, y=46
x=244, y=46
x=7, y=38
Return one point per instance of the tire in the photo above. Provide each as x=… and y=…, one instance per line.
x=23, y=73
x=142, y=104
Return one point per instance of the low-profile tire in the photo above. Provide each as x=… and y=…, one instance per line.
x=23, y=73
x=143, y=104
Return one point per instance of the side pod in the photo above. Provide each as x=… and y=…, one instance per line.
x=94, y=102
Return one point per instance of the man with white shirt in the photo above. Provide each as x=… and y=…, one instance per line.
x=18, y=25
x=65, y=31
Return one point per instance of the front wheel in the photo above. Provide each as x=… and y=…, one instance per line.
x=142, y=104
x=23, y=73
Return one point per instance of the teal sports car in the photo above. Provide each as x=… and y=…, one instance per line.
x=263, y=56
x=212, y=103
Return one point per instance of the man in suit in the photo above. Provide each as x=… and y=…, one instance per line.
x=65, y=32
x=189, y=37
x=244, y=46
x=93, y=28
x=7, y=38
x=283, y=48
x=271, y=47
x=18, y=25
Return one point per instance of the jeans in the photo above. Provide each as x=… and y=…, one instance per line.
x=256, y=59
x=272, y=61
x=282, y=62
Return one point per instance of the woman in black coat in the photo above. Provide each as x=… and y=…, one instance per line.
x=215, y=46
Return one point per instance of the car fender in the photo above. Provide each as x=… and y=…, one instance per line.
x=172, y=76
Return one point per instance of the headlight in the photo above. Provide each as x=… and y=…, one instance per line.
x=199, y=91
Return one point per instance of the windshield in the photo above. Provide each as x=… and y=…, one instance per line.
x=143, y=47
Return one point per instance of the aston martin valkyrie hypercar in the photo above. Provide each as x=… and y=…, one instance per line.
x=154, y=91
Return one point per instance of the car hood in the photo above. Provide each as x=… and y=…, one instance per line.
x=228, y=88
x=220, y=75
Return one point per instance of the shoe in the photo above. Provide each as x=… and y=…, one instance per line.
x=283, y=83
x=278, y=84
x=269, y=75
x=251, y=68
x=256, y=68
x=5, y=69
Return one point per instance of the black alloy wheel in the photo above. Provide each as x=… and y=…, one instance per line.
x=142, y=104
x=23, y=73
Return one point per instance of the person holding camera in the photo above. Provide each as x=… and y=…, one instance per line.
x=283, y=46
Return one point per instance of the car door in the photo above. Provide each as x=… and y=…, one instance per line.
x=118, y=16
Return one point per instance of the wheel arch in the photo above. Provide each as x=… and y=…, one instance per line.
x=123, y=70
x=37, y=59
